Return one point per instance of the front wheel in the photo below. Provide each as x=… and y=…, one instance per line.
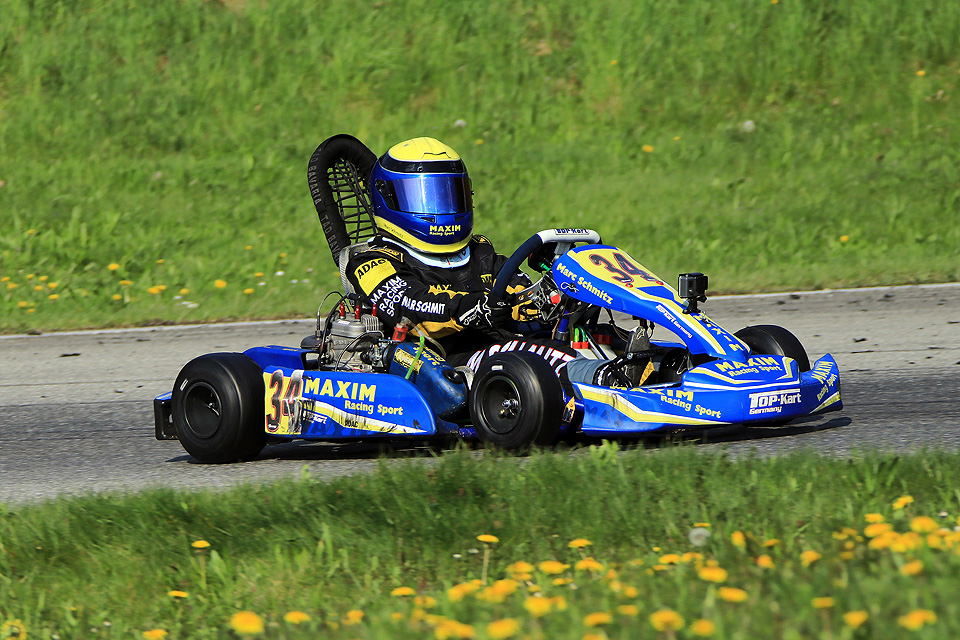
x=218, y=408
x=769, y=339
x=516, y=401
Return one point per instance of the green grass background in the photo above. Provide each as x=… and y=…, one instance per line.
x=179, y=131
x=68, y=567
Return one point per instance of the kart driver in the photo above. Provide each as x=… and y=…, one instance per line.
x=427, y=267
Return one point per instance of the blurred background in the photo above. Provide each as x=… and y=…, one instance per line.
x=153, y=155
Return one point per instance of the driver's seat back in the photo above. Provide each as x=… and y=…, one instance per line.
x=337, y=175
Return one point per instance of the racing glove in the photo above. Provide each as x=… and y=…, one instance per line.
x=482, y=311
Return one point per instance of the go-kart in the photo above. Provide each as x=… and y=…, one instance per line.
x=353, y=381
x=356, y=379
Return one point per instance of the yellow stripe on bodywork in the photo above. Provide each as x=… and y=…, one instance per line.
x=620, y=404
x=354, y=421
x=835, y=397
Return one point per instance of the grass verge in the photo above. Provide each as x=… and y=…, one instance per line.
x=675, y=543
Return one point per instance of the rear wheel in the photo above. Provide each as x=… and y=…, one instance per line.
x=516, y=401
x=769, y=339
x=218, y=408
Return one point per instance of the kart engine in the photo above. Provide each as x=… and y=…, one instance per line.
x=342, y=339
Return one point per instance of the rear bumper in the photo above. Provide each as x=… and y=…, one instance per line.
x=163, y=418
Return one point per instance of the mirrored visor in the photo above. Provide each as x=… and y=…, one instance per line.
x=433, y=194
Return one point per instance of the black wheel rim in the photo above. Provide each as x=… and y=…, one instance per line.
x=202, y=409
x=500, y=405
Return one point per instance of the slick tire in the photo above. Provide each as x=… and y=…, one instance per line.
x=769, y=339
x=218, y=408
x=516, y=401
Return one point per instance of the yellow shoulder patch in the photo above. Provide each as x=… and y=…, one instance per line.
x=373, y=272
x=481, y=239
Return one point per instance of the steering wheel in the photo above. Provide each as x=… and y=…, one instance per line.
x=563, y=239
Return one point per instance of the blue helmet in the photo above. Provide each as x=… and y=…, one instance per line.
x=422, y=196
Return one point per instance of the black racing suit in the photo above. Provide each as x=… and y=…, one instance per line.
x=447, y=304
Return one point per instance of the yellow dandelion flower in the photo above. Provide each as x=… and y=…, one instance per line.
x=154, y=634
x=153, y=291
x=579, y=543
x=666, y=619
x=670, y=558
x=396, y=616
x=809, y=556
x=738, y=539
x=113, y=266
x=921, y=73
x=647, y=148
x=184, y=291
x=160, y=261
x=559, y=582
x=117, y=296
x=295, y=617
x=628, y=610
x=703, y=628
x=520, y=567
x=537, y=606
x=629, y=591
x=588, y=564
x=455, y=593
x=22, y=304
x=923, y=524
x=30, y=276
x=822, y=602
x=177, y=594
x=258, y=274
x=877, y=529
x=902, y=501
x=283, y=255
x=772, y=542
x=676, y=138
x=479, y=141
x=248, y=247
x=219, y=284
x=12, y=285
x=912, y=568
x=126, y=283
x=425, y=601
x=765, y=562
x=916, y=619
x=844, y=239
x=873, y=518
x=703, y=525
x=43, y=278
x=402, y=591
x=855, y=619
x=594, y=636
x=246, y=623
x=489, y=539
x=732, y=594
x=53, y=296
x=354, y=616
x=614, y=63
x=247, y=291
x=553, y=567
x=52, y=285
x=505, y=628
x=13, y=630
x=199, y=544
x=712, y=574
x=5, y=279
x=38, y=288
x=597, y=618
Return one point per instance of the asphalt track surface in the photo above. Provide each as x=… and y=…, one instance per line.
x=76, y=410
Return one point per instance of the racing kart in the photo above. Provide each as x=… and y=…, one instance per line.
x=356, y=380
